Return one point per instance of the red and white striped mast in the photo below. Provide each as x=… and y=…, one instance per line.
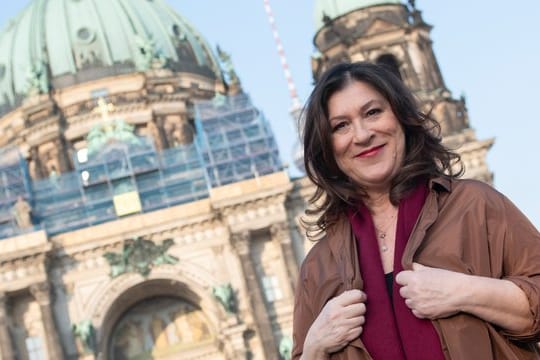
x=296, y=106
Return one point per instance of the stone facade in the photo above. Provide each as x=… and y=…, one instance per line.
x=243, y=235
x=49, y=128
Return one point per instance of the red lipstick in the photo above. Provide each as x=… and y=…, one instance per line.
x=371, y=151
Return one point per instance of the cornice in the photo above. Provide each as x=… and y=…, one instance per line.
x=201, y=225
x=23, y=271
x=272, y=186
x=23, y=246
x=42, y=130
x=25, y=258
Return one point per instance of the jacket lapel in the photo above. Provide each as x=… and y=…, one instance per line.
x=343, y=246
x=427, y=217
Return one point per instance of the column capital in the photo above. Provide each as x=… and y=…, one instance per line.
x=41, y=292
x=240, y=242
x=280, y=232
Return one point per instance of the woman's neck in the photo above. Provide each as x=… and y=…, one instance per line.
x=379, y=203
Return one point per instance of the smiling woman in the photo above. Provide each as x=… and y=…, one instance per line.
x=367, y=139
x=401, y=258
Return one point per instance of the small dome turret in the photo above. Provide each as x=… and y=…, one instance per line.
x=332, y=9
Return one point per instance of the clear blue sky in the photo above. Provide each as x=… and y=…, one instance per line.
x=487, y=50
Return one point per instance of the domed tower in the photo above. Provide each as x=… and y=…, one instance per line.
x=142, y=197
x=395, y=34
x=58, y=58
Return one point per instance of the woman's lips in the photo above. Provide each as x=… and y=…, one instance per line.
x=370, y=152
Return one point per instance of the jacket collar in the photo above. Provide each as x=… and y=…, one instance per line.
x=342, y=244
x=440, y=183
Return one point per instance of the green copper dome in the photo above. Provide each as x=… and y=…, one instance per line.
x=53, y=44
x=336, y=8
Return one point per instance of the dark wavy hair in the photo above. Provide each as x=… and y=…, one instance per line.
x=425, y=156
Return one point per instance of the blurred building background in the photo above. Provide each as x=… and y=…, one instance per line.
x=144, y=208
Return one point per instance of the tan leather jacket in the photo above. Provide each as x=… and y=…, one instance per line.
x=464, y=226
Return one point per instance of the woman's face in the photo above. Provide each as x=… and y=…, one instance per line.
x=367, y=138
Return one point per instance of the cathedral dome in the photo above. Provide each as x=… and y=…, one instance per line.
x=336, y=8
x=53, y=44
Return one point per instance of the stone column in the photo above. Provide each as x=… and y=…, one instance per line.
x=240, y=242
x=35, y=164
x=62, y=155
x=41, y=293
x=155, y=131
x=281, y=235
x=6, y=346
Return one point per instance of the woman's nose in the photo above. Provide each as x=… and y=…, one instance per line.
x=361, y=133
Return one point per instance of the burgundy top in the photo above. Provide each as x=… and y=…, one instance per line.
x=391, y=331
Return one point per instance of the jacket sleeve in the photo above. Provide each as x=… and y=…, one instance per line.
x=303, y=315
x=520, y=260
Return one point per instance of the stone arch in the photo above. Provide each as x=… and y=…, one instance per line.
x=387, y=54
x=151, y=311
x=119, y=295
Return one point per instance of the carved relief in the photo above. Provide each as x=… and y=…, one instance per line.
x=226, y=296
x=140, y=255
x=240, y=242
x=280, y=232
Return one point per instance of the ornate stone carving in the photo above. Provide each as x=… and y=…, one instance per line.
x=285, y=348
x=108, y=130
x=226, y=296
x=280, y=232
x=41, y=292
x=240, y=242
x=86, y=333
x=140, y=255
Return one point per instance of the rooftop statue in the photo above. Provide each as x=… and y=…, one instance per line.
x=150, y=56
x=226, y=62
x=21, y=211
x=37, y=81
x=109, y=130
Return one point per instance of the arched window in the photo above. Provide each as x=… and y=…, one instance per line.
x=390, y=62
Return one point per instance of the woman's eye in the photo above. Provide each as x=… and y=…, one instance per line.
x=372, y=112
x=339, y=126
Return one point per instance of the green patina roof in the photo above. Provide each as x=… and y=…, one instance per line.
x=336, y=8
x=59, y=43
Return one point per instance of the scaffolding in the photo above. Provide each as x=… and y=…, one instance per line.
x=93, y=193
x=233, y=142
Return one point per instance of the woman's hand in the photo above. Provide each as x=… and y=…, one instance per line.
x=340, y=321
x=435, y=293
x=431, y=293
